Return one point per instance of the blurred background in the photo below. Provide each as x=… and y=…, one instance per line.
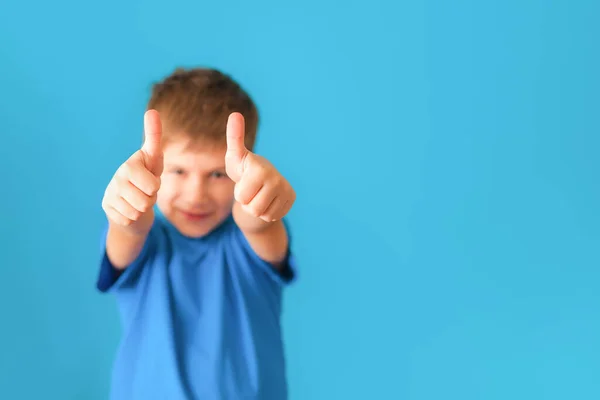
x=445, y=156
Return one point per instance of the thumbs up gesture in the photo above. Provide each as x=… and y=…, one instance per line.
x=259, y=188
x=131, y=194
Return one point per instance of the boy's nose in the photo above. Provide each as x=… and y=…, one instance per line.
x=196, y=192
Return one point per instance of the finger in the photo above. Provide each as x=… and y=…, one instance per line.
x=124, y=208
x=117, y=217
x=274, y=209
x=152, y=133
x=134, y=196
x=261, y=202
x=236, y=147
x=290, y=199
x=152, y=142
x=283, y=210
x=246, y=189
x=140, y=177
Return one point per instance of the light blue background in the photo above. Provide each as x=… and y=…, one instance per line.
x=445, y=155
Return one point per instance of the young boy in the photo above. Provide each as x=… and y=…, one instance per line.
x=199, y=277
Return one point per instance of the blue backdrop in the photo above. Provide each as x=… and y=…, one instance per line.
x=445, y=156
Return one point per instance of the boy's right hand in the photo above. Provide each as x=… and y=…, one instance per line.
x=131, y=194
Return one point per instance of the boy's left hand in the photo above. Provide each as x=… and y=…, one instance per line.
x=259, y=188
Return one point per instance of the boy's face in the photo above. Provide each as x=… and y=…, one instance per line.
x=196, y=194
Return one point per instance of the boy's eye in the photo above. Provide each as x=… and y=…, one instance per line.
x=219, y=174
x=178, y=171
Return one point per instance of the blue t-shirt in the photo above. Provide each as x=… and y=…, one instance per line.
x=200, y=317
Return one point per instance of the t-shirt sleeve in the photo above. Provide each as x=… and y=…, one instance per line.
x=111, y=278
x=284, y=274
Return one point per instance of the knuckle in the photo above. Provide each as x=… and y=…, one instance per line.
x=155, y=185
x=124, y=170
x=278, y=181
x=255, y=210
x=135, y=215
x=107, y=201
x=117, y=187
x=106, y=206
x=250, y=210
x=149, y=186
x=125, y=221
x=237, y=193
x=263, y=171
x=115, y=217
x=258, y=170
x=110, y=188
x=146, y=206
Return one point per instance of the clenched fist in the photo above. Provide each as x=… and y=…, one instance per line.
x=131, y=194
x=259, y=188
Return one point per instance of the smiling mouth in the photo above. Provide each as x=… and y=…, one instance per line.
x=193, y=216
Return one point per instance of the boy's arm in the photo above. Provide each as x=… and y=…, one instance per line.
x=269, y=240
x=124, y=246
x=263, y=196
x=131, y=195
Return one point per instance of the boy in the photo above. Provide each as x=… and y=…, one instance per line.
x=199, y=277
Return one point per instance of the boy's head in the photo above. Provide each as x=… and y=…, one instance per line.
x=196, y=194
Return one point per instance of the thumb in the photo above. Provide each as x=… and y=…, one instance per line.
x=151, y=149
x=236, y=148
